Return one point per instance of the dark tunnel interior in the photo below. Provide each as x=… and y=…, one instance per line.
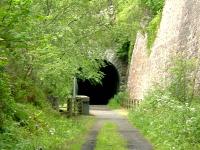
x=101, y=93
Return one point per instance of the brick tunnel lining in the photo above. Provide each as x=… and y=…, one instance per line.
x=101, y=93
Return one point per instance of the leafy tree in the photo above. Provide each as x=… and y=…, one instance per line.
x=48, y=41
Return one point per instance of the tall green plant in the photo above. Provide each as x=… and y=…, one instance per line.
x=183, y=76
x=6, y=99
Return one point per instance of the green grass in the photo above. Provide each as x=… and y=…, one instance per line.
x=168, y=124
x=117, y=100
x=113, y=104
x=109, y=138
x=46, y=129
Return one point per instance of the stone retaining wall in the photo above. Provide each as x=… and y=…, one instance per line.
x=179, y=31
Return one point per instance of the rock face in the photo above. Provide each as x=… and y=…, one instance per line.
x=179, y=31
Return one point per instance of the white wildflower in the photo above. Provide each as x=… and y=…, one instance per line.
x=52, y=131
x=189, y=121
x=192, y=109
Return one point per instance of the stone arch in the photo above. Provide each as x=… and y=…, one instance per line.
x=122, y=67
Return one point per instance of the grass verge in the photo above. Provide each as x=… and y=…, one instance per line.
x=42, y=129
x=168, y=124
x=109, y=138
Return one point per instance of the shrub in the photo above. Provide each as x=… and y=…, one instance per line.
x=117, y=101
x=183, y=78
x=123, y=52
x=6, y=100
x=154, y=5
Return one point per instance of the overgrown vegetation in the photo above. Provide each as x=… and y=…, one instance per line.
x=43, y=45
x=6, y=100
x=127, y=23
x=155, y=7
x=118, y=100
x=42, y=129
x=47, y=42
x=133, y=16
x=169, y=116
x=109, y=138
x=152, y=31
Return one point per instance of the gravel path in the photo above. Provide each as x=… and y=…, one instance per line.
x=130, y=134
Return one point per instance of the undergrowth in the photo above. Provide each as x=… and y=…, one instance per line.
x=152, y=29
x=169, y=116
x=168, y=124
x=155, y=7
x=33, y=128
x=134, y=16
x=117, y=101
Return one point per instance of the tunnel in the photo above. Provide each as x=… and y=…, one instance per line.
x=101, y=93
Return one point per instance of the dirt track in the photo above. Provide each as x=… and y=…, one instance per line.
x=130, y=134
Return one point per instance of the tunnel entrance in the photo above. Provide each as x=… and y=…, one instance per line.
x=101, y=93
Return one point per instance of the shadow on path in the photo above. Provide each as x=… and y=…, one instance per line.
x=131, y=135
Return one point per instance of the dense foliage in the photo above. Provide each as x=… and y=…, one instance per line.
x=119, y=100
x=48, y=42
x=169, y=116
x=43, y=129
x=133, y=16
x=169, y=124
x=44, y=44
x=152, y=31
x=6, y=100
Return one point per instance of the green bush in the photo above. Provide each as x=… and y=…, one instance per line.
x=42, y=129
x=183, y=78
x=154, y=5
x=123, y=52
x=6, y=99
x=117, y=101
x=129, y=18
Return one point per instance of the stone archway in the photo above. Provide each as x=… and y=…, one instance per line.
x=121, y=66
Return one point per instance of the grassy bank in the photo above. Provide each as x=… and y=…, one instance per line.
x=43, y=129
x=170, y=115
x=109, y=138
x=168, y=124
